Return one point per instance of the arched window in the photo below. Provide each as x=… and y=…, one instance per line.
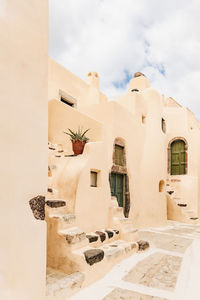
x=178, y=157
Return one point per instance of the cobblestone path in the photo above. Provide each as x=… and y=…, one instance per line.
x=163, y=272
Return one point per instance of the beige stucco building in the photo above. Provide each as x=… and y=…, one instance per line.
x=78, y=215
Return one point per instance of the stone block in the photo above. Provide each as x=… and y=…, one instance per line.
x=37, y=205
x=93, y=256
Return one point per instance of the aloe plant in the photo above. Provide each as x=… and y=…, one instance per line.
x=78, y=135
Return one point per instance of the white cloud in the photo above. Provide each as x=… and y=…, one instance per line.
x=117, y=38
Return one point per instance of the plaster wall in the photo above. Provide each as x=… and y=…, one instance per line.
x=23, y=88
x=62, y=81
x=145, y=148
x=62, y=117
x=181, y=122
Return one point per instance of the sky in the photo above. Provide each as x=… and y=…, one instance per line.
x=117, y=38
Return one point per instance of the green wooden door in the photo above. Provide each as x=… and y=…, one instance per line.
x=117, y=187
x=178, y=157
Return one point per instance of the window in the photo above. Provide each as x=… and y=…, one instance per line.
x=178, y=157
x=66, y=102
x=93, y=178
x=163, y=125
x=119, y=155
x=67, y=99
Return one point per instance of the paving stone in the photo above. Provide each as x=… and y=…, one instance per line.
x=122, y=294
x=166, y=241
x=56, y=282
x=158, y=270
x=93, y=256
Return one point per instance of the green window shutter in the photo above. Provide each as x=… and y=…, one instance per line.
x=178, y=157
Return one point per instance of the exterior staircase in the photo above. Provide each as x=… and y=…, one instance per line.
x=73, y=253
x=178, y=210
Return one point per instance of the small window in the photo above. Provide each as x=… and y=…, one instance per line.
x=93, y=178
x=67, y=102
x=143, y=119
x=119, y=155
x=163, y=125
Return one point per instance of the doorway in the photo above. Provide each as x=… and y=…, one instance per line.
x=117, y=187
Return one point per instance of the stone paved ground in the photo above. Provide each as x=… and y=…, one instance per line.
x=169, y=270
x=129, y=295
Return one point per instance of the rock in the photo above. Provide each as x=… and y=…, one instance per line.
x=116, y=231
x=110, y=233
x=134, y=90
x=55, y=203
x=50, y=190
x=102, y=235
x=92, y=238
x=143, y=245
x=93, y=256
x=37, y=205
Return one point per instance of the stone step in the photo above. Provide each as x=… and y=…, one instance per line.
x=75, y=237
x=117, y=212
x=59, y=285
x=130, y=234
x=55, y=203
x=125, y=220
x=102, y=236
x=189, y=212
x=66, y=218
x=87, y=256
x=119, y=248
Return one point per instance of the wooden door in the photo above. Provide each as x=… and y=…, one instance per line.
x=178, y=157
x=117, y=187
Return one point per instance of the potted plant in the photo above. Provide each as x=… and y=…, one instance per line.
x=78, y=139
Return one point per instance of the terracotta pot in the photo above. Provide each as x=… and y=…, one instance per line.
x=78, y=147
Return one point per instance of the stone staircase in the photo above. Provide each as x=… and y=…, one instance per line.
x=127, y=231
x=178, y=210
x=70, y=250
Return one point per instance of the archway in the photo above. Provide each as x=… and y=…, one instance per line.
x=177, y=156
x=119, y=180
